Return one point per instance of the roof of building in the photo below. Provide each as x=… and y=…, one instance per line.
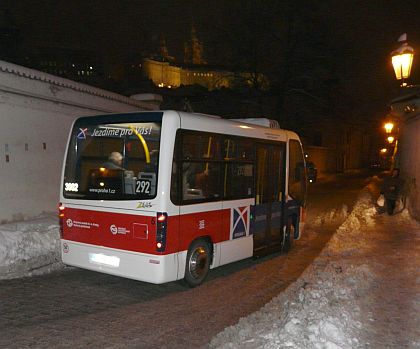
x=73, y=85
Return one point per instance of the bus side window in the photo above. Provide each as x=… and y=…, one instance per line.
x=196, y=169
x=200, y=180
x=238, y=181
x=175, y=175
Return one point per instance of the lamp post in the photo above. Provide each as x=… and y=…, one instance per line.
x=402, y=60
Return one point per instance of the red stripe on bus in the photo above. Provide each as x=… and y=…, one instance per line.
x=137, y=233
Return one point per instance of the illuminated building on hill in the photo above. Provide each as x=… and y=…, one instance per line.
x=194, y=70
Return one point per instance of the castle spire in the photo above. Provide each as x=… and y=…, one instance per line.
x=193, y=49
x=163, y=48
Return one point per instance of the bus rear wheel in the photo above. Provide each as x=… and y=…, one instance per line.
x=288, y=236
x=198, y=263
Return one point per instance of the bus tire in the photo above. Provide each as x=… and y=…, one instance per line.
x=197, y=266
x=288, y=235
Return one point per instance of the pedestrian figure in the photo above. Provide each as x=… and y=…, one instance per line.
x=391, y=189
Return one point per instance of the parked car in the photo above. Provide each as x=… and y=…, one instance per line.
x=311, y=171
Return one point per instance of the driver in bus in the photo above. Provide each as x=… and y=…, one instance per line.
x=114, y=162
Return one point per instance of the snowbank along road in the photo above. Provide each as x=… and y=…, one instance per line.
x=363, y=291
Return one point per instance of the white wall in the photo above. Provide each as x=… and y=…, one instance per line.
x=410, y=162
x=405, y=112
x=37, y=108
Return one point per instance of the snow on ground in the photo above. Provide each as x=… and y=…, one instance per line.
x=332, y=304
x=30, y=247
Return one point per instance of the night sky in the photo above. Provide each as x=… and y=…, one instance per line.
x=334, y=40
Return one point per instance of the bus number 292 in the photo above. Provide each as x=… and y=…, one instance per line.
x=143, y=186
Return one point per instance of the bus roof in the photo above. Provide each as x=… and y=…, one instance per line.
x=213, y=123
x=202, y=122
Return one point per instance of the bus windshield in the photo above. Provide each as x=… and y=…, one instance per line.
x=115, y=161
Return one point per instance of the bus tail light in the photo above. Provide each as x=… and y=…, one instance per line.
x=61, y=209
x=161, y=229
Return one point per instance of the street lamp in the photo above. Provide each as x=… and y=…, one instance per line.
x=402, y=60
x=390, y=139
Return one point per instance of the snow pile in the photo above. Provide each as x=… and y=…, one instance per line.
x=346, y=240
x=30, y=247
x=331, y=216
x=320, y=310
x=310, y=314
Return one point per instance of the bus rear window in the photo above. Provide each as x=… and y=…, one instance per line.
x=117, y=161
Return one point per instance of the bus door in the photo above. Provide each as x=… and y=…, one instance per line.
x=267, y=212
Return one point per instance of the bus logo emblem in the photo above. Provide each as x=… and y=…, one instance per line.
x=113, y=229
x=82, y=133
x=240, y=222
x=69, y=223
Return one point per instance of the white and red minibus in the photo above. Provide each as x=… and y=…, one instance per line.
x=162, y=196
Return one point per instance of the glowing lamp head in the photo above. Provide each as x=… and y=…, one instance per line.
x=384, y=150
x=390, y=139
x=388, y=127
x=402, y=65
x=402, y=59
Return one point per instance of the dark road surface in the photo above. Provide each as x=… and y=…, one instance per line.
x=79, y=309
